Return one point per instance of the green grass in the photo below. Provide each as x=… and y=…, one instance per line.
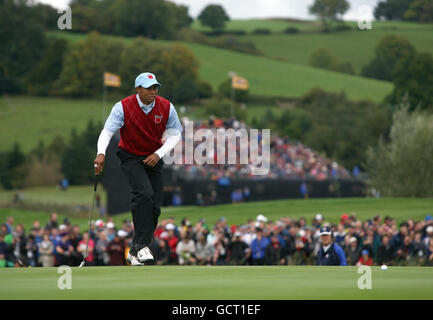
x=57, y=116
x=356, y=46
x=364, y=208
x=229, y=283
x=41, y=118
x=270, y=77
x=253, y=110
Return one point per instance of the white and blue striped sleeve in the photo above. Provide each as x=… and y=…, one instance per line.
x=115, y=119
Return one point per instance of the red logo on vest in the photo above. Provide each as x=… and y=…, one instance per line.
x=158, y=119
x=150, y=76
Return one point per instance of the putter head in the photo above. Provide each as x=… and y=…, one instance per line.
x=81, y=264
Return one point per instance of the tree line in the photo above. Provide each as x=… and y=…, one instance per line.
x=47, y=164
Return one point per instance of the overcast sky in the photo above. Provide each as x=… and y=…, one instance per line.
x=244, y=9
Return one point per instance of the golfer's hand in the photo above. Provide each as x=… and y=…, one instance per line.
x=151, y=160
x=99, y=163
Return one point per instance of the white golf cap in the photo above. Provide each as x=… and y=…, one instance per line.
x=170, y=226
x=319, y=216
x=261, y=218
x=122, y=233
x=146, y=80
x=429, y=229
x=110, y=225
x=353, y=239
x=62, y=227
x=99, y=223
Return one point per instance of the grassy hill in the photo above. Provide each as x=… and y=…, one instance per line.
x=354, y=46
x=271, y=77
x=30, y=119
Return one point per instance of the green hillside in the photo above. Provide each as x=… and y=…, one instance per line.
x=354, y=46
x=30, y=119
x=270, y=77
x=57, y=116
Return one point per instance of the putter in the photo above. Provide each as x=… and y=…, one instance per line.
x=90, y=222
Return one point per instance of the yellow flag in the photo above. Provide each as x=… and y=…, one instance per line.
x=111, y=80
x=240, y=83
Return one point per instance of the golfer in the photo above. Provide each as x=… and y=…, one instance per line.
x=142, y=119
x=330, y=253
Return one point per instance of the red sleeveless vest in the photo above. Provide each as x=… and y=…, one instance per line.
x=141, y=133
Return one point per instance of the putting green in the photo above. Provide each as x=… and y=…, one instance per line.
x=225, y=282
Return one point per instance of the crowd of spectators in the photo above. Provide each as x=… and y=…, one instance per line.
x=288, y=160
x=260, y=241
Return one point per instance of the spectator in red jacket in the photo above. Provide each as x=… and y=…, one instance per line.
x=172, y=241
x=365, y=259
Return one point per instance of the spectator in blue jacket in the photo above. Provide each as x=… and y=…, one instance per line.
x=258, y=248
x=330, y=253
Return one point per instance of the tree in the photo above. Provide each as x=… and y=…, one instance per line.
x=413, y=76
x=341, y=128
x=77, y=158
x=322, y=58
x=47, y=71
x=85, y=63
x=175, y=66
x=390, y=50
x=391, y=9
x=404, y=166
x=22, y=44
x=420, y=10
x=329, y=10
x=11, y=163
x=214, y=16
x=152, y=18
x=222, y=108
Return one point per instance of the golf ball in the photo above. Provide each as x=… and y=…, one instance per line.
x=384, y=267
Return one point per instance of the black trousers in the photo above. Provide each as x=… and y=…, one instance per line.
x=146, y=196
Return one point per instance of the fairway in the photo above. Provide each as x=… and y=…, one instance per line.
x=202, y=283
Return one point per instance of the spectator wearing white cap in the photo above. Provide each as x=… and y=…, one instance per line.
x=172, y=241
x=111, y=231
x=428, y=235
